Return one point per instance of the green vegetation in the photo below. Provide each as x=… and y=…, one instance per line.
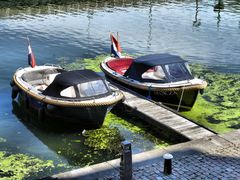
x=136, y=131
x=21, y=166
x=88, y=63
x=104, y=138
x=103, y=144
x=2, y=140
x=218, y=108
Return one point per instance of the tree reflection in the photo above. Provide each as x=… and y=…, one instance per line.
x=217, y=8
x=150, y=25
x=196, y=22
x=219, y=5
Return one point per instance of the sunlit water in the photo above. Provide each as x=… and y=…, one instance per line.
x=190, y=29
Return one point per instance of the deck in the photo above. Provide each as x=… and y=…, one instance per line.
x=161, y=116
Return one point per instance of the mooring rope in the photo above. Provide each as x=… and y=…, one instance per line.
x=180, y=101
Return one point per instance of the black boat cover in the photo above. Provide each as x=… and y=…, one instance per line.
x=143, y=63
x=158, y=59
x=70, y=78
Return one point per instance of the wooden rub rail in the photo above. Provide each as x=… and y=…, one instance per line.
x=159, y=116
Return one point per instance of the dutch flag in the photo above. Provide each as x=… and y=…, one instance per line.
x=31, y=58
x=115, y=47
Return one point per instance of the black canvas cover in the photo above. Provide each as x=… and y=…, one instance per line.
x=143, y=63
x=70, y=78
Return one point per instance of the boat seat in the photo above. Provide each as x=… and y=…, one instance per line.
x=155, y=73
x=120, y=65
x=152, y=75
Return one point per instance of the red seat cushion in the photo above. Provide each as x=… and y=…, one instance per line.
x=120, y=65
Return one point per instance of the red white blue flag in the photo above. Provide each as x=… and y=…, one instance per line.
x=115, y=47
x=31, y=57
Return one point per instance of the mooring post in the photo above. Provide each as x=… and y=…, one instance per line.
x=126, y=161
x=167, y=164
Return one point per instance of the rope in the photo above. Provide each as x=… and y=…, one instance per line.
x=180, y=101
x=149, y=92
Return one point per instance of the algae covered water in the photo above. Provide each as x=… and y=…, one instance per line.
x=32, y=149
x=69, y=33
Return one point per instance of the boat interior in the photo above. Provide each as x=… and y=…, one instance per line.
x=41, y=79
x=121, y=65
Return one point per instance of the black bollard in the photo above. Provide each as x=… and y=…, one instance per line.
x=126, y=161
x=167, y=164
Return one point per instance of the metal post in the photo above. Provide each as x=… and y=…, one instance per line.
x=126, y=161
x=167, y=164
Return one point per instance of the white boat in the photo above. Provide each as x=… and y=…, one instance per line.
x=80, y=97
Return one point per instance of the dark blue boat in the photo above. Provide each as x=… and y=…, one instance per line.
x=163, y=78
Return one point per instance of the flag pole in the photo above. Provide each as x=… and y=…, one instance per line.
x=117, y=37
x=28, y=40
x=111, y=43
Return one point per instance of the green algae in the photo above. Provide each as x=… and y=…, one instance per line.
x=21, y=166
x=104, y=138
x=219, y=107
x=108, y=138
x=87, y=63
x=91, y=148
x=2, y=140
x=135, y=130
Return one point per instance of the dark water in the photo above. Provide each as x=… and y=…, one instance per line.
x=191, y=29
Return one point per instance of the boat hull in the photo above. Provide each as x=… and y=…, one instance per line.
x=181, y=100
x=84, y=117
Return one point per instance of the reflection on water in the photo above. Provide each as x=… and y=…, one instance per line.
x=197, y=21
x=217, y=8
x=150, y=25
x=82, y=30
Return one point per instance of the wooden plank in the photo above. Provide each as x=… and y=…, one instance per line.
x=184, y=127
x=198, y=133
x=175, y=123
x=158, y=114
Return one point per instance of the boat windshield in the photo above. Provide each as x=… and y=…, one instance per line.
x=92, y=88
x=177, y=71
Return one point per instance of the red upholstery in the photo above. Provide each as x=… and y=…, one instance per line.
x=120, y=65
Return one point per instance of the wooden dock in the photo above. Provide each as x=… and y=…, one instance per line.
x=160, y=116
